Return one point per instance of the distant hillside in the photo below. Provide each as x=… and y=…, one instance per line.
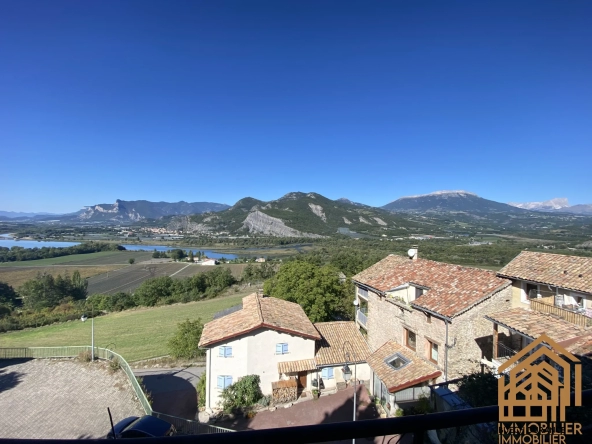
x=137, y=210
x=19, y=215
x=450, y=202
x=557, y=205
x=295, y=215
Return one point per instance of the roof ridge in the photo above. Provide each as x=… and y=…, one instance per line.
x=259, y=311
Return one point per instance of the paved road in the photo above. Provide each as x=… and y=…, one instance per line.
x=49, y=398
x=173, y=389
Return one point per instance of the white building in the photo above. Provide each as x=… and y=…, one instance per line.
x=275, y=339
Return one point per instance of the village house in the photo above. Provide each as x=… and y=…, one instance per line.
x=551, y=294
x=274, y=339
x=429, y=316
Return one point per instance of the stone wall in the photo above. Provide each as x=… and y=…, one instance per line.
x=388, y=320
x=471, y=335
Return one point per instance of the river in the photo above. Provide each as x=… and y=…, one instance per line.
x=8, y=242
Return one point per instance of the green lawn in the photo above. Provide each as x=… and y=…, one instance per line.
x=100, y=258
x=136, y=334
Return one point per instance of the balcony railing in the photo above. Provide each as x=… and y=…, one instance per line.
x=504, y=352
x=362, y=318
x=411, y=394
x=568, y=315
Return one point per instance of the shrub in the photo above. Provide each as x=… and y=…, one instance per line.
x=243, y=394
x=201, y=391
x=85, y=356
x=399, y=412
x=184, y=343
x=114, y=364
x=478, y=389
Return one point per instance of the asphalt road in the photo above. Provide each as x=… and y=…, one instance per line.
x=173, y=389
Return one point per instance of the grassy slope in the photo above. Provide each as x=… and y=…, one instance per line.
x=100, y=258
x=137, y=334
x=16, y=276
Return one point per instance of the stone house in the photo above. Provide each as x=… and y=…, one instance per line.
x=274, y=339
x=552, y=279
x=433, y=310
x=551, y=294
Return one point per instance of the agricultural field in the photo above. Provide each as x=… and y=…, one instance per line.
x=129, y=278
x=136, y=334
x=90, y=259
x=235, y=269
x=17, y=276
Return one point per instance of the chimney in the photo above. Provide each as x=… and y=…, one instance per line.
x=413, y=253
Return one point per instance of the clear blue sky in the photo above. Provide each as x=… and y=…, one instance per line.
x=218, y=100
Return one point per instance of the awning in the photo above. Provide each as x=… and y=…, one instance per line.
x=302, y=365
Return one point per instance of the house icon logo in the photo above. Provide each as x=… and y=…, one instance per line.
x=538, y=383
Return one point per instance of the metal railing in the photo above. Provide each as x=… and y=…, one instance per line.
x=185, y=426
x=568, y=315
x=362, y=318
x=189, y=427
x=504, y=352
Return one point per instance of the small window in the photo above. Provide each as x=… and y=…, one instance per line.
x=225, y=352
x=411, y=339
x=224, y=381
x=428, y=318
x=397, y=361
x=327, y=373
x=433, y=352
x=281, y=349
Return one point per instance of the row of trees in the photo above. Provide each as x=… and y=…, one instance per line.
x=17, y=253
x=166, y=290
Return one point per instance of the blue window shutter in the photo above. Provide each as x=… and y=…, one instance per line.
x=278, y=349
x=330, y=372
x=227, y=351
x=227, y=381
x=284, y=348
x=221, y=351
x=324, y=373
x=220, y=382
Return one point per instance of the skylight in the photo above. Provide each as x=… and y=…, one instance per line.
x=397, y=361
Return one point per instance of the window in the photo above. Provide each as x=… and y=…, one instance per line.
x=327, y=373
x=433, y=352
x=410, y=339
x=363, y=292
x=428, y=318
x=281, y=349
x=224, y=381
x=529, y=291
x=397, y=361
x=225, y=352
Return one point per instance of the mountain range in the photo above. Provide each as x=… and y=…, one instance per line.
x=557, y=205
x=299, y=214
x=295, y=214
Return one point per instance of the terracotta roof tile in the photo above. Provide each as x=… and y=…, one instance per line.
x=332, y=346
x=580, y=346
x=259, y=312
x=452, y=289
x=533, y=323
x=558, y=270
x=303, y=365
x=415, y=372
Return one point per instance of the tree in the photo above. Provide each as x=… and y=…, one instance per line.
x=8, y=297
x=150, y=291
x=184, y=343
x=316, y=289
x=131, y=260
x=191, y=258
x=79, y=286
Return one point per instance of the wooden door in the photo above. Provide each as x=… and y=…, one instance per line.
x=302, y=380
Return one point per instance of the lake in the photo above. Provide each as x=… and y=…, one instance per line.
x=9, y=243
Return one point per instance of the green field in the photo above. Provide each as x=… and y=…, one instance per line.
x=100, y=258
x=135, y=334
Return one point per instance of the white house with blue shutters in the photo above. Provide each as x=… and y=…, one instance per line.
x=275, y=339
